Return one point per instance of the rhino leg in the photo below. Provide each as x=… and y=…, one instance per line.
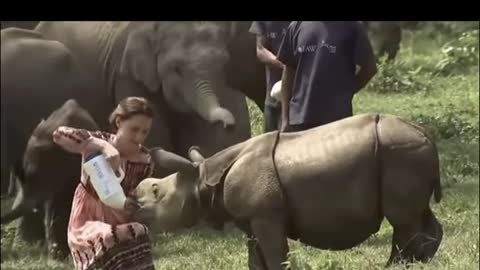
x=256, y=261
x=405, y=244
x=433, y=234
x=272, y=239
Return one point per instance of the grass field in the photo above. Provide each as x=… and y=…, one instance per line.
x=445, y=101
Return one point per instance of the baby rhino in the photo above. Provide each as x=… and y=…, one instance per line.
x=329, y=187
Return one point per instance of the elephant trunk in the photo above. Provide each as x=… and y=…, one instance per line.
x=207, y=106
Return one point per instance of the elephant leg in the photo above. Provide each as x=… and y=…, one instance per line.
x=272, y=239
x=57, y=214
x=30, y=227
x=48, y=220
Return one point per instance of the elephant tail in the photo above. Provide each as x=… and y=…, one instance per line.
x=21, y=205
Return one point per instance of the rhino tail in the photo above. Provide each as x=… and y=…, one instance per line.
x=437, y=191
x=437, y=184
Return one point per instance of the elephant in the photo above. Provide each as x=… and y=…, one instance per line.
x=179, y=66
x=30, y=66
x=313, y=186
x=26, y=76
x=182, y=66
x=388, y=36
x=19, y=24
x=47, y=165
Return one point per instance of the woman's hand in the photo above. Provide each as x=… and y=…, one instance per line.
x=112, y=156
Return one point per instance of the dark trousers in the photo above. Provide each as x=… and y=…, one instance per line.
x=272, y=117
x=301, y=127
x=305, y=126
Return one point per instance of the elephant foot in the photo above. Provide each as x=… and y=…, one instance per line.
x=30, y=227
x=58, y=253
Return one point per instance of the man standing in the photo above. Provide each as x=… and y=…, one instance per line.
x=269, y=36
x=326, y=63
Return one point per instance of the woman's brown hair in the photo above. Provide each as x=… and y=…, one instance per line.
x=129, y=107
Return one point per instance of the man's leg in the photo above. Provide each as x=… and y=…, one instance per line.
x=270, y=117
x=296, y=128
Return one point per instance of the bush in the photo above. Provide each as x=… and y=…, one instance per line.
x=460, y=54
x=398, y=77
x=452, y=28
x=449, y=124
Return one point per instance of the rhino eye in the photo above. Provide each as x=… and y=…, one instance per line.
x=155, y=190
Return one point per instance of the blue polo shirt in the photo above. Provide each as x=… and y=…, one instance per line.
x=325, y=55
x=273, y=31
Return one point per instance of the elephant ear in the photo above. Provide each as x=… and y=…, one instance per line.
x=139, y=59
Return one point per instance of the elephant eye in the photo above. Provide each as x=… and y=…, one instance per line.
x=177, y=70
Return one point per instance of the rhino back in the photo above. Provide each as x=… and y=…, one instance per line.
x=395, y=132
x=318, y=169
x=330, y=178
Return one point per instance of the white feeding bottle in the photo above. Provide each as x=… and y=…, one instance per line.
x=104, y=181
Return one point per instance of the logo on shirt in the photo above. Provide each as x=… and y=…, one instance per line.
x=274, y=35
x=312, y=48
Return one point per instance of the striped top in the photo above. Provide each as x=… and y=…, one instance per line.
x=78, y=141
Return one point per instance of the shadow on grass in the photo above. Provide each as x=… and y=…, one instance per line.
x=379, y=240
x=467, y=191
x=169, y=244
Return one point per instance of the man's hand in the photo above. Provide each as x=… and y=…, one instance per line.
x=266, y=56
x=284, y=126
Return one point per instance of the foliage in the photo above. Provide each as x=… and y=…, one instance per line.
x=397, y=77
x=459, y=54
x=448, y=28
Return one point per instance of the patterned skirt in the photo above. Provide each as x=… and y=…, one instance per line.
x=100, y=237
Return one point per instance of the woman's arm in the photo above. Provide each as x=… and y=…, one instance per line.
x=79, y=141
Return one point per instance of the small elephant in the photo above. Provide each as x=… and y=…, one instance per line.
x=313, y=186
x=48, y=175
x=388, y=36
x=38, y=76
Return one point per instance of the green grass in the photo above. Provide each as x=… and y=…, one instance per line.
x=450, y=110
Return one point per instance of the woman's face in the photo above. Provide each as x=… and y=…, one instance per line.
x=134, y=130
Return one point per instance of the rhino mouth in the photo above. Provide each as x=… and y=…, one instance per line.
x=144, y=215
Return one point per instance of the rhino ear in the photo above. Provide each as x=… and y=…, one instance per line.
x=171, y=161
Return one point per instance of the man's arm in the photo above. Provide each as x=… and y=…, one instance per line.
x=266, y=56
x=364, y=58
x=287, y=85
x=286, y=55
